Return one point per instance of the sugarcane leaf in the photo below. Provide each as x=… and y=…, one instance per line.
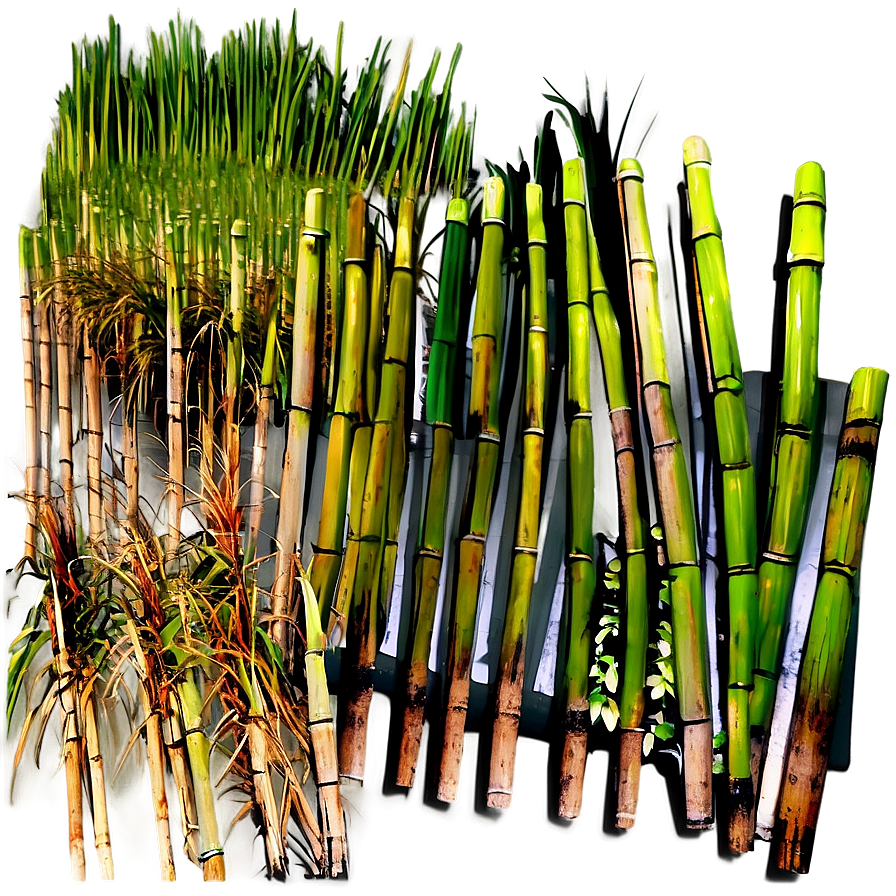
x=19, y=664
x=273, y=650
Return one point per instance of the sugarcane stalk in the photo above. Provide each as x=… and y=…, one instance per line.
x=292, y=489
x=792, y=463
x=176, y=750
x=631, y=701
x=176, y=381
x=265, y=798
x=102, y=836
x=63, y=383
x=821, y=669
x=210, y=852
x=234, y=375
x=676, y=504
x=431, y=545
x=580, y=572
x=93, y=388
x=346, y=411
x=262, y=421
x=487, y=335
x=738, y=488
x=379, y=490
x=32, y=445
x=72, y=741
x=155, y=760
x=45, y=393
x=323, y=738
x=512, y=663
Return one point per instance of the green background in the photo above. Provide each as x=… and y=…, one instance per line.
x=769, y=85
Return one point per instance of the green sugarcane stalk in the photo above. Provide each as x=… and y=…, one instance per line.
x=631, y=702
x=821, y=667
x=580, y=573
x=690, y=650
x=323, y=738
x=292, y=489
x=738, y=487
x=488, y=328
x=26, y=273
x=234, y=374
x=380, y=491
x=431, y=544
x=512, y=663
x=792, y=462
x=347, y=409
x=211, y=850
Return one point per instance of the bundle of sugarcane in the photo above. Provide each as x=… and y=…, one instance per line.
x=725, y=383
x=792, y=462
x=822, y=662
x=676, y=504
x=185, y=236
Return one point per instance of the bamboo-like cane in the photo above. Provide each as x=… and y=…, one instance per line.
x=791, y=479
x=176, y=380
x=93, y=388
x=265, y=798
x=102, y=835
x=63, y=382
x=323, y=738
x=265, y=401
x=43, y=312
x=512, y=663
x=292, y=489
x=738, y=488
x=32, y=450
x=818, y=691
x=431, y=546
x=210, y=852
x=234, y=376
x=580, y=573
x=346, y=411
x=488, y=328
x=631, y=702
x=676, y=504
x=380, y=488
x=176, y=750
x=72, y=741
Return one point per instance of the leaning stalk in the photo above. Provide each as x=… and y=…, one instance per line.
x=431, y=546
x=346, y=411
x=725, y=382
x=512, y=664
x=488, y=327
x=101, y=834
x=379, y=490
x=791, y=478
x=631, y=702
x=821, y=668
x=292, y=489
x=690, y=650
x=323, y=739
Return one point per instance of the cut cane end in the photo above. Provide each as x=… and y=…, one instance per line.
x=698, y=775
x=629, y=777
x=498, y=799
x=740, y=813
x=213, y=868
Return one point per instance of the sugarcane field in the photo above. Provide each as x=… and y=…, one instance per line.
x=445, y=456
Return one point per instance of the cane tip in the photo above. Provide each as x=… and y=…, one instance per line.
x=696, y=151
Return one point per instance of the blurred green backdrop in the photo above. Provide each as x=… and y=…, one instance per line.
x=769, y=84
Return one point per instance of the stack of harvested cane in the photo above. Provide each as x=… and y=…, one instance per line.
x=228, y=269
